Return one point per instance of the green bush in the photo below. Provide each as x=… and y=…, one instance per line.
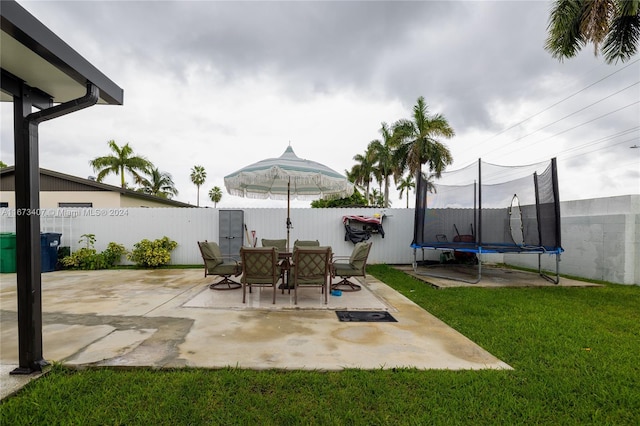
x=84, y=258
x=113, y=253
x=87, y=258
x=152, y=254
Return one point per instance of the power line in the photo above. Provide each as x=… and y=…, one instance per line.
x=576, y=112
x=571, y=128
x=556, y=103
x=602, y=139
x=597, y=149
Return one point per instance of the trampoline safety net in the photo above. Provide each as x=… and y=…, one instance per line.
x=488, y=208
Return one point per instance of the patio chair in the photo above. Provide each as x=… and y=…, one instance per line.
x=311, y=269
x=217, y=264
x=281, y=245
x=306, y=243
x=259, y=269
x=346, y=267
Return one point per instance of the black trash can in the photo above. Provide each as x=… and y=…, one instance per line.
x=49, y=243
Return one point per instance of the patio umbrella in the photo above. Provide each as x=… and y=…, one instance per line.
x=288, y=177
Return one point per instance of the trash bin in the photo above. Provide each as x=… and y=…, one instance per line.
x=7, y=252
x=49, y=243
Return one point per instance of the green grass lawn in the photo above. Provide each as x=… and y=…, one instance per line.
x=575, y=354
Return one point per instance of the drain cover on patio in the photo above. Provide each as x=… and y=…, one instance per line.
x=365, y=316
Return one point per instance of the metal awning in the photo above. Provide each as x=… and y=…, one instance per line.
x=32, y=53
x=38, y=70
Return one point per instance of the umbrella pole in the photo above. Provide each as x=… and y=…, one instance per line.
x=288, y=210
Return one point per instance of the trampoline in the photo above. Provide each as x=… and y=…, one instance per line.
x=486, y=208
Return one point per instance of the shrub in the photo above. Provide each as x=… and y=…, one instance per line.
x=152, y=254
x=113, y=253
x=84, y=258
x=87, y=258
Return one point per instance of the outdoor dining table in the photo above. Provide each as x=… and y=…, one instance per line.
x=286, y=264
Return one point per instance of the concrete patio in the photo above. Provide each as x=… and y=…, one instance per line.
x=170, y=318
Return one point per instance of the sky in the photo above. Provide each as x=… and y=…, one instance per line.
x=225, y=84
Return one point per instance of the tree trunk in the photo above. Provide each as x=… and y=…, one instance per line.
x=386, y=192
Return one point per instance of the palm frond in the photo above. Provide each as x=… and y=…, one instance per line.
x=622, y=41
x=565, y=38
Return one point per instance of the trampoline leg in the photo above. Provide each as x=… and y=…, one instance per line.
x=555, y=280
x=415, y=261
x=540, y=266
x=474, y=281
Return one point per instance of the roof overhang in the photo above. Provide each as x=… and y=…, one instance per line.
x=32, y=53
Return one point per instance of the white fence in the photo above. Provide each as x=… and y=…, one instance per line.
x=601, y=237
x=186, y=226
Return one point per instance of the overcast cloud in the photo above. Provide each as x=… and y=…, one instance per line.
x=225, y=84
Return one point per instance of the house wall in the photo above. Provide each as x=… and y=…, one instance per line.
x=100, y=199
x=126, y=201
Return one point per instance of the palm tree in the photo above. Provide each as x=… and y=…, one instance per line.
x=418, y=141
x=383, y=157
x=352, y=176
x=613, y=26
x=215, y=194
x=406, y=184
x=122, y=161
x=198, y=176
x=376, y=199
x=362, y=170
x=159, y=184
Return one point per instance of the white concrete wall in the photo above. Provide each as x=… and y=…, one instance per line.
x=601, y=239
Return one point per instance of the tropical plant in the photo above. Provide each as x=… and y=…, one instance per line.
x=376, y=199
x=89, y=240
x=613, y=26
x=122, y=160
x=418, y=141
x=87, y=258
x=382, y=154
x=355, y=200
x=362, y=171
x=113, y=253
x=352, y=176
x=159, y=184
x=215, y=194
x=198, y=176
x=406, y=184
x=152, y=254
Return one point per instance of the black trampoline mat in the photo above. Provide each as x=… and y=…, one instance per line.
x=365, y=316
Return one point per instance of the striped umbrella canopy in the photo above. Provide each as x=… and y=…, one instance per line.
x=288, y=177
